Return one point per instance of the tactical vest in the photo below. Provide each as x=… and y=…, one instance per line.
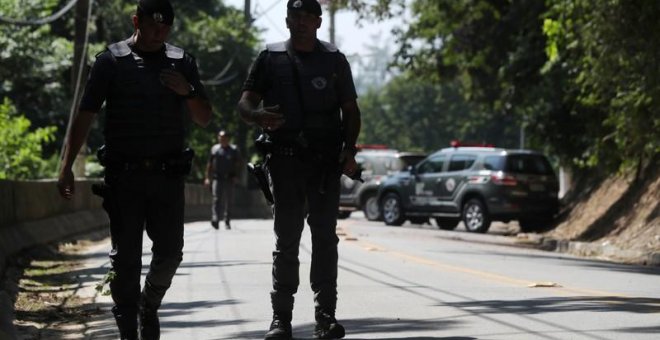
x=143, y=116
x=319, y=113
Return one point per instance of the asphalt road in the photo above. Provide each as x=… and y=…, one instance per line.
x=405, y=282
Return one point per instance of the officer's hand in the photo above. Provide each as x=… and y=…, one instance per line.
x=175, y=81
x=350, y=165
x=268, y=118
x=65, y=183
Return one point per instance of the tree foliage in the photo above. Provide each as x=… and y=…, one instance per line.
x=580, y=77
x=608, y=51
x=20, y=149
x=36, y=61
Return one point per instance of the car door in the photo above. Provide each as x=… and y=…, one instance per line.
x=425, y=195
x=453, y=181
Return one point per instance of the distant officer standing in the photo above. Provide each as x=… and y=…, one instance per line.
x=312, y=120
x=222, y=172
x=147, y=85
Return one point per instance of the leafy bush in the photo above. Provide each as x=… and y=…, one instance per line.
x=20, y=148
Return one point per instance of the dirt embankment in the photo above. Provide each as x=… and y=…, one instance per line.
x=620, y=211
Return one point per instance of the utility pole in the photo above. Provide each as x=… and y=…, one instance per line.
x=332, y=10
x=247, y=13
x=78, y=73
x=242, y=133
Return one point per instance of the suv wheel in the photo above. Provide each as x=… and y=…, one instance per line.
x=371, y=209
x=446, y=223
x=475, y=216
x=392, y=210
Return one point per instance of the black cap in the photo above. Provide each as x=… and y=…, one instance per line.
x=309, y=6
x=159, y=10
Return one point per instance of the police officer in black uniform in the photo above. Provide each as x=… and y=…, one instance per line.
x=147, y=85
x=311, y=118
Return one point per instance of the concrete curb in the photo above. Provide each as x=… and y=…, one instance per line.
x=27, y=234
x=602, y=251
x=592, y=250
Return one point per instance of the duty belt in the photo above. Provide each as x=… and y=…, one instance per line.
x=147, y=165
x=282, y=150
x=176, y=165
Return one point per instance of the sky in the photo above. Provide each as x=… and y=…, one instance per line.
x=351, y=36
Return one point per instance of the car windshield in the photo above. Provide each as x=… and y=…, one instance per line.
x=385, y=164
x=523, y=164
x=409, y=160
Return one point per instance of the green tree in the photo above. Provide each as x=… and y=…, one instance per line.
x=20, y=148
x=610, y=51
x=35, y=65
x=36, y=61
x=410, y=113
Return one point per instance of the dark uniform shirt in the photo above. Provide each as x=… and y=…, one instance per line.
x=324, y=83
x=147, y=118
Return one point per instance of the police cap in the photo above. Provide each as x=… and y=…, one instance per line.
x=159, y=10
x=309, y=6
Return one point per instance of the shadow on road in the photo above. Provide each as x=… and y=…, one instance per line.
x=365, y=326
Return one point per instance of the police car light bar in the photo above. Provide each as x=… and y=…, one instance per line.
x=456, y=143
x=372, y=147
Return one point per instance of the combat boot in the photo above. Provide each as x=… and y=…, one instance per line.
x=280, y=327
x=126, y=322
x=327, y=326
x=149, y=324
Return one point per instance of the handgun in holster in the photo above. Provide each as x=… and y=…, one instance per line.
x=259, y=173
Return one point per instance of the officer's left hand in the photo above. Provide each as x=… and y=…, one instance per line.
x=348, y=160
x=175, y=81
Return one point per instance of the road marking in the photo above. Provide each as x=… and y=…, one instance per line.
x=561, y=290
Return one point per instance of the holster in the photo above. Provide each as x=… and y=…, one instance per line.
x=260, y=174
x=103, y=190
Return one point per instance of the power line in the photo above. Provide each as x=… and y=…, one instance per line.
x=43, y=21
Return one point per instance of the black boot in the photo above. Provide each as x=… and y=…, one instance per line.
x=149, y=324
x=327, y=326
x=126, y=322
x=280, y=327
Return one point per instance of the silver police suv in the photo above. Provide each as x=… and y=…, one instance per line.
x=477, y=185
x=377, y=162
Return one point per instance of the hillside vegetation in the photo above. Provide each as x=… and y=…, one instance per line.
x=618, y=210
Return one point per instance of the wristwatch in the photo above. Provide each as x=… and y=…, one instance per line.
x=192, y=93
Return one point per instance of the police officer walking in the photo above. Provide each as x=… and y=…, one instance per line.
x=147, y=85
x=222, y=171
x=312, y=121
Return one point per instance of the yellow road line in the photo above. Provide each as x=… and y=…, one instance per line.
x=563, y=290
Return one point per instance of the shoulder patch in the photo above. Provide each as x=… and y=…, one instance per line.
x=277, y=47
x=120, y=49
x=328, y=47
x=173, y=52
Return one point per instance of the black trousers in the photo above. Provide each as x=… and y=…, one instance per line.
x=137, y=201
x=297, y=185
